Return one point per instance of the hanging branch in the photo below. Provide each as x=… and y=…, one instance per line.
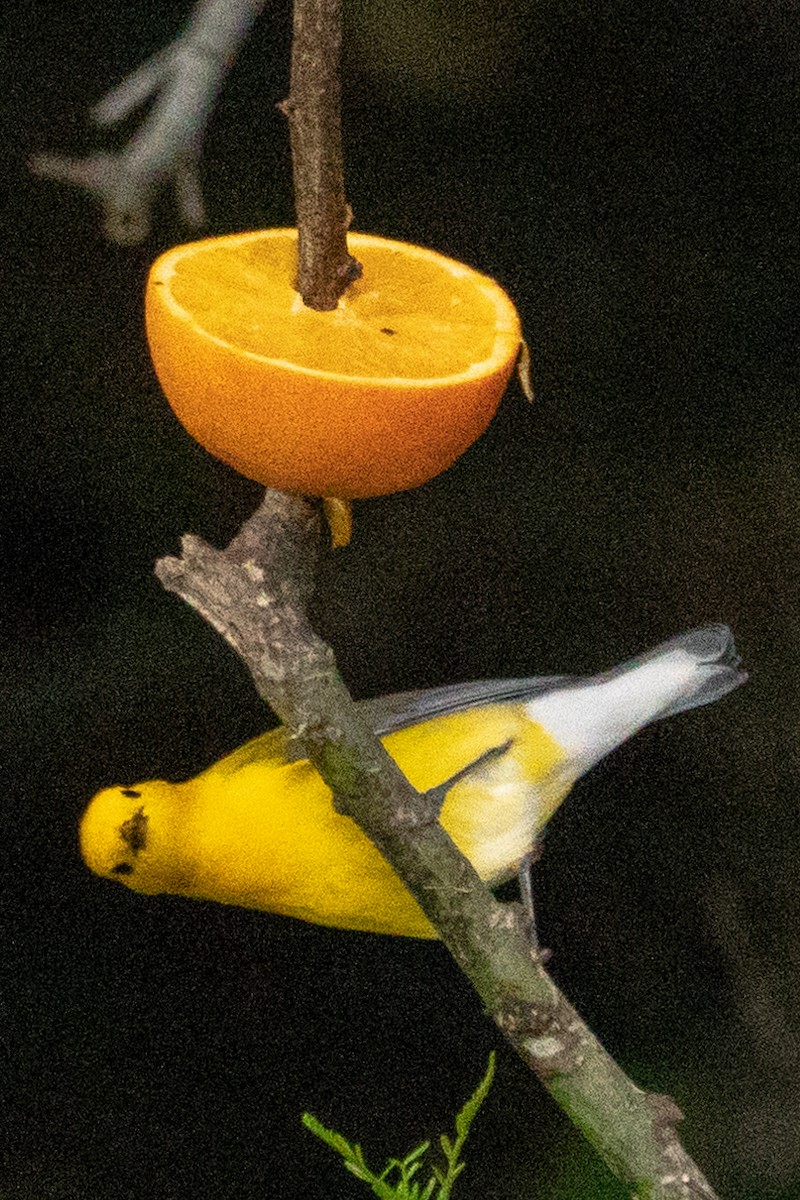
x=325, y=269
x=255, y=593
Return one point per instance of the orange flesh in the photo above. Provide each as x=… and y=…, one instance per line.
x=388, y=325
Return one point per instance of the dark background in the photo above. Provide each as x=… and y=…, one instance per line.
x=628, y=171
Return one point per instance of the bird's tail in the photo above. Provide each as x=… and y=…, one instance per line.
x=589, y=717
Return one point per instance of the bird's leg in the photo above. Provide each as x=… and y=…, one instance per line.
x=525, y=877
x=436, y=796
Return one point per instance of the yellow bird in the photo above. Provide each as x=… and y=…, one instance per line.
x=259, y=828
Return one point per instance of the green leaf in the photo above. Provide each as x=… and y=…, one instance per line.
x=353, y=1156
x=470, y=1110
x=333, y=1139
x=420, y=1150
x=452, y=1150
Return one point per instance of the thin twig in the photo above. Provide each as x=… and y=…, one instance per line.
x=325, y=269
x=254, y=593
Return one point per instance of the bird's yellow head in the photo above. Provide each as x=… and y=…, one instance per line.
x=126, y=835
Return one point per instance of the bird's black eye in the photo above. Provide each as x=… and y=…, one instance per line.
x=122, y=868
x=134, y=795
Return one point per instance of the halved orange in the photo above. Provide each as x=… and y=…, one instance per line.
x=379, y=395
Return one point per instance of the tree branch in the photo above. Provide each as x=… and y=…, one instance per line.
x=325, y=269
x=254, y=593
x=183, y=80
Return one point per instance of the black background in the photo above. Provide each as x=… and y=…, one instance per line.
x=628, y=171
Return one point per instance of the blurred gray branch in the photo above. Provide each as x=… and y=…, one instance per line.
x=183, y=81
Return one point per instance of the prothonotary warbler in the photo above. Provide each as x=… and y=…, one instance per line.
x=259, y=828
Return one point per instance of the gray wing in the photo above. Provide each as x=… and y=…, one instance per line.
x=387, y=714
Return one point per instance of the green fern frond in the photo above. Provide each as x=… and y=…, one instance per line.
x=406, y=1187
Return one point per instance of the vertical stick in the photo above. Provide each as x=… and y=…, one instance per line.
x=313, y=108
